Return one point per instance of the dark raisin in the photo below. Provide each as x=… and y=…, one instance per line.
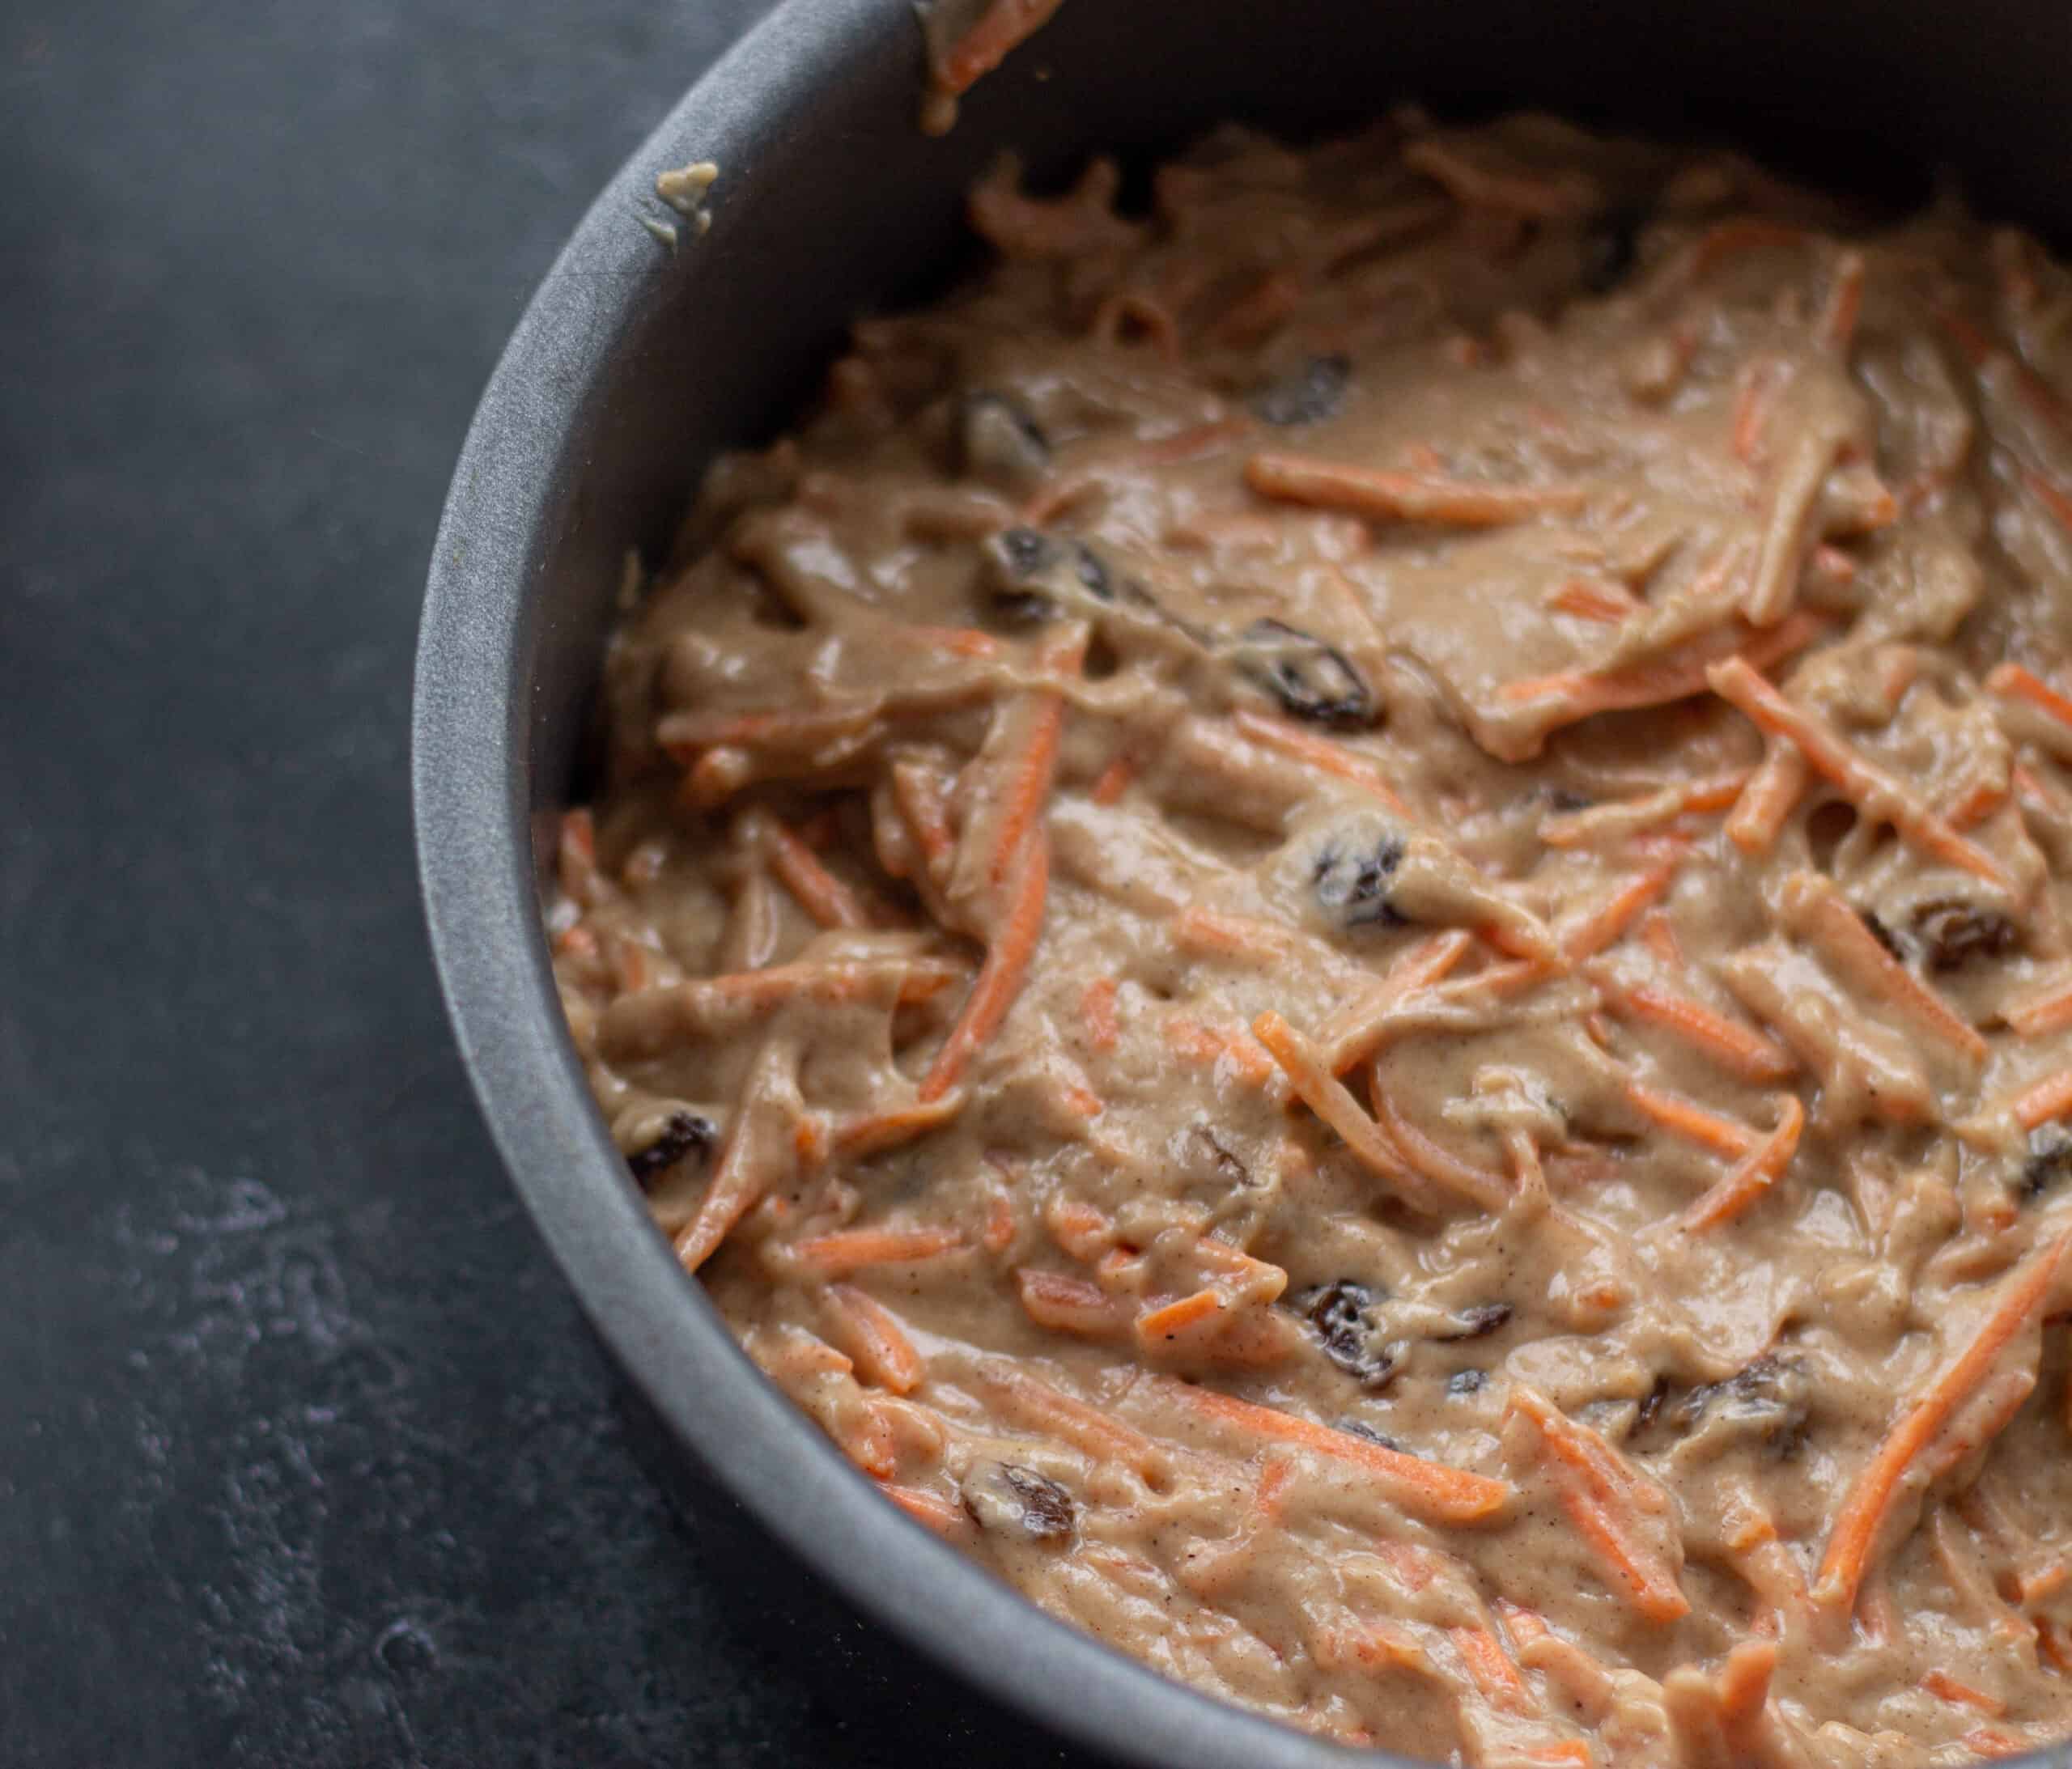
x=1342, y=1313
x=1008, y=1496
x=684, y=1133
x=1310, y=678
x=2049, y=1159
x=1092, y=575
x=1611, y=246
x=1359, y=1427
x=1882, y=934
x=997, y=440
x=1568, y=799
x=1035, y=574
x=1651, y=1404
x=1311, y=394
x=1353, y=883
x=1770, y=1398
x=1952, y=933
x=1464, y=1383
x=1476, y=1322
x=1205, y=1155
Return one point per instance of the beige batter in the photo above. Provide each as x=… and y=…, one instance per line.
x=1340, y=916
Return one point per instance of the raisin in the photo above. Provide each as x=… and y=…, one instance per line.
x=1311, y=394
x=1611, y=247
x=1035, y=574
x=998, y=440
x=1464, y=1383
x=2049, y=1159
x=1651, y=1404
x=1476, y=1322
x=1310, y=678
x=684, y=1133
x=1012, y=1497
x=1353, y=883
x=1882, y=934
x=1952, y=933
x=1772, y=1397
x=1360, y=1428
x=1352, y=1338
x=1206, y=1154
x=1568, y=799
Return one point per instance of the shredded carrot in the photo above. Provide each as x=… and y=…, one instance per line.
x=1676, y=675
x=1739, y=1049
x=999, y=1224
x=819, y=891
x=1172, y=1317
x=1427, y=1158
x=1755, y=1173
x=1429, y=1490
x=1576, y=829
x=1190, y=1038
x=810, y=1140
x=2019, y=684
x=2043, y=1010
x=2049, y=1098
x=1088, y=1429
x=1838, y=325
x=1332, y=1101
x=1593, y=599
x=844, y=1251
x=1066, y=1305
x=1588, y=936
x=1560, y=1753
x=1995, y=1742
x=1947, y=1688
x=1604, y=1497
x=1029, y=775
x=1731, y=238
x=1816, y=908
x=922, y=801
x=1114, y=780
x=2021, y=1297
x=1097, y=1008
x=1082, y=1100
x=1693, y=1123
x=1407, y=497
x=1077, y=1226
x=1872, y=790
x=1192, y=444
x=871, y=1334
x=1489, y=1668
x=1321, y=753
x=1002, y=26
x=871, y=1133
x=742, y=1173
x=1000, y=977
x=1759, y=387
x=944, y=1517
x=1235, y=937
x=1978, y=803
x=1258, y=311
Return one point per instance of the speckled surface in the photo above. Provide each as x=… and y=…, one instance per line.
x=304, y=1457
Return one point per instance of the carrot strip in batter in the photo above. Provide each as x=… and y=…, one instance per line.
x=1815, y=908
x=841, y=1251
x=2021, y=1298
x=1115, y=781
x=2049, y=1098
x=1693, y=1123
x=1429, y=1490
x=1773, y=792
x=1350, y=1036
x=1427, y=1158
x=1320, y=753
x=1995, y=1741
x=1730, y=238
x=1333, y=1102
x=821, y=894
x=922, y=801
x=1257, y=312
x=1070, y=1305
x=946, y=1518
x=1000, y=977
x=1676, y=675
x=1739, y=1049
x=1029, y=1401
x=871, y=1334
x=1198, y=1043
x=2017, y=683
x=871, y=1133
x=1837, y=326
x=1236, y=936
x=1978, y=803
x=1945, y=1687
x=999, y=28
x=2043, y=1010
x=1097, y=1008
x=1757, y=1171
x=1164, y=1321
x=1604, y=1497
x=1760, y=384
x=1577, y=829
x=1868, y=786
x=1408, y=497
x=746, y=1166
x=1489, y=1668
x=1029, y=774
x=1590, y=599
x=1603, y=926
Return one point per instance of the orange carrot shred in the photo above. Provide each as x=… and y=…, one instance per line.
x=1873, y=791
x=1172, y=1317
x=1876, y=1489
x=1676, y=675
x=1067, y=1304
x=871, y=1334
x=2043, y=1012
x=2020, y=684
x=1002, y=26
x=1603, y=926
x=1000, y=977
x=1489, y=1668
x=2049, y=1098
x=1321, y=753
x=1028, y=783
x=1114, y=780
x=1426, y=1157
x=1947, y=1688
x=1097, y=1008
x=1190, y=1038
x=842, y=1251
x=1757, y=1171
x=1739, y=1049
x=944, y=1517
x=1693, y=1123
x=999, y=1225
x=1408, y=497
x=1429, y=1490
x=1592, y=599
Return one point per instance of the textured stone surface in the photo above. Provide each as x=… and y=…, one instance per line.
x=304, y=1457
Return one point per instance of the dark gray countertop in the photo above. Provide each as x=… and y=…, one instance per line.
x=304, y=1457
